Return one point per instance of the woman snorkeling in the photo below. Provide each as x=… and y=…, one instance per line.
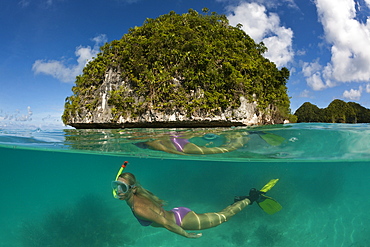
x=148, y=208
x=200, y=143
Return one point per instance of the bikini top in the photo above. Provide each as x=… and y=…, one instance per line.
x=142, y=222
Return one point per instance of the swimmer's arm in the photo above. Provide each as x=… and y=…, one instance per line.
x=149, y=214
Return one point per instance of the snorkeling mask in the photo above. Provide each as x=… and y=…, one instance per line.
x=118, y=186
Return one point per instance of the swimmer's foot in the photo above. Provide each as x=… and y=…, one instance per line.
x=239, y=198
x=254, y=195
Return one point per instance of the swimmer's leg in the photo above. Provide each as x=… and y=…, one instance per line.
x=194, y=221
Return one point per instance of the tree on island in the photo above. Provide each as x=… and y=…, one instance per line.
x=337, y=111
x=193, y=62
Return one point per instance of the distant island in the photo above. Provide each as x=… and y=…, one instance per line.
x=188, y=70
x=337, y=111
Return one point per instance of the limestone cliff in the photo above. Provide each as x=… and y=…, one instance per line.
x=101, y=116
x=187, y=70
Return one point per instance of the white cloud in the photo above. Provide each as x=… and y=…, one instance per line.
x=27, y=119
x=313, y=73
x=368, y=3
x=267, y=3
x=309, y=69
x=264, y=26
x=65, y=72
x=49, y=2
x=24, y=3
x=349, y=40
x=315, y=82
x=368, y=88
x=301, y=52
x=353, y=94
x=17, y=116
x=305, y=94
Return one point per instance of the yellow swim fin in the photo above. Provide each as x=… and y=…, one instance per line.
x=269, y=185
x=268, y=204
x=272, y=139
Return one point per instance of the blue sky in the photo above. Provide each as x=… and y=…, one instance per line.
x=46, y=43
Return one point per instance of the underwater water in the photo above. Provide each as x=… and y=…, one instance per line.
x=55, y=184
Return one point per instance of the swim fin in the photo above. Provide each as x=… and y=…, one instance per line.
x=268, y=204
x=272, y=139
x=269, y=185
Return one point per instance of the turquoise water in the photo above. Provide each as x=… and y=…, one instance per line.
x=55, y=185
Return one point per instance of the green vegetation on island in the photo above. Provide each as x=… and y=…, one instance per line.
x=194, y=62
x=337, y=111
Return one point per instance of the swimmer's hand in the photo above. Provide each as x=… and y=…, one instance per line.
x=194, y=235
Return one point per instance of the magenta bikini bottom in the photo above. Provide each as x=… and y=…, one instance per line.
x=180, y=213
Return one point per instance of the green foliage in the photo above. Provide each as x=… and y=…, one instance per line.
x=309, y=113
x=168, y=57
x=338, y=111
x=362, y=113
x=71, y=107
x=292, y=118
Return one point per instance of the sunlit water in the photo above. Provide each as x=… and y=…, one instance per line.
x=55, y=185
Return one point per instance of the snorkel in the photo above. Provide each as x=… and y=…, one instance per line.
x=119, y=173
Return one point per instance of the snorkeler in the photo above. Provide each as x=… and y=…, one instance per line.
x=207, y=143
x=148, y=208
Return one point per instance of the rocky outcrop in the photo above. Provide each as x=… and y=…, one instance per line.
x=102, y=116
x=179, y=70
x=246, y=115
